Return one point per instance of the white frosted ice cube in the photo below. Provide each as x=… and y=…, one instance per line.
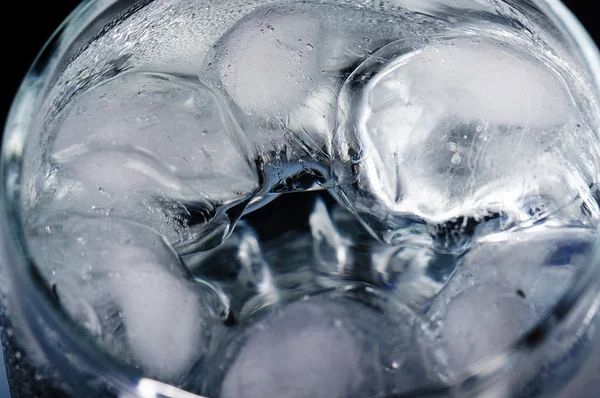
x=161, y=313
x=460, y=127
x=177, y=123
x=151, y=148
x=303, y=352
x=481, y=321
x=502, y=287
x=127, y=287
x=267, y=63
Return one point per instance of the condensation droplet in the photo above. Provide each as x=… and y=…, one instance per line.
x=456, y=158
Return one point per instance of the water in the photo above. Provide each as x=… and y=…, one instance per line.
x=325, y=200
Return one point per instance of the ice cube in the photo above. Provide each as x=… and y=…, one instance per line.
x=502, y=287
x=457, y=128
x=304, y=354
x=288, y=110
x=331, y=249
x=162, y=314
x=267, y=63
x=175, y=120
x=157, y=149
x=327, y=347
x=481, y=321
x=127, y=287
x=539, y=264
x=411, y=271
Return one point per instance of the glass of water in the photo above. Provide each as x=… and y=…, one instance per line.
x=324, y=198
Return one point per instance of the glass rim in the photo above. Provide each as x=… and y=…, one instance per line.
x=484, y=373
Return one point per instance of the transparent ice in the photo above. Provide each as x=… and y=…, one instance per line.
x=169, y=156
x=236, y=270
x=501, y=288
x=126, y=286
x=411, y=270
x=455, y=129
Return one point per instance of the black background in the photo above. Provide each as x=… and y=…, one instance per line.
x=27, y=24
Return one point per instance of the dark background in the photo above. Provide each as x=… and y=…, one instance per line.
x=27, y=24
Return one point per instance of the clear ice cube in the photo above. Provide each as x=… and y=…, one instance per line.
x=304, y=355
x=451, y=129
x=482, y=320
x=501, y=288
x=152, y=148
x=282, y=68
x=269, y=70
x=326, y=348
x=267, y=63
x=126, y=286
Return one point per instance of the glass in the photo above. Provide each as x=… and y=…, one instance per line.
x=116, y=54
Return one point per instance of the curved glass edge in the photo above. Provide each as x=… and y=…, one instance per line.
x=41, y=312
x=40, y=315
x=576, y=35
